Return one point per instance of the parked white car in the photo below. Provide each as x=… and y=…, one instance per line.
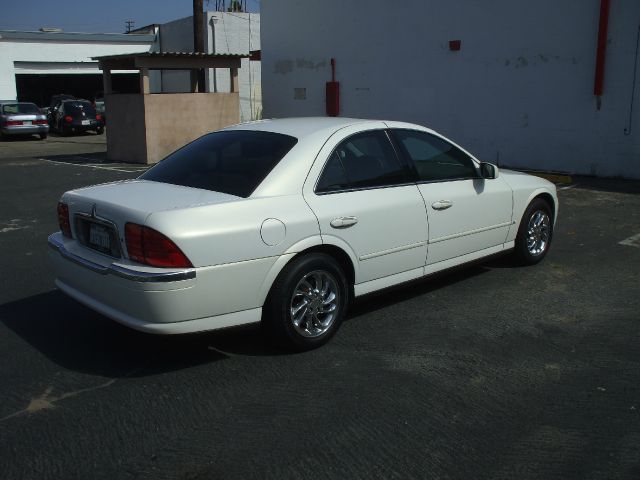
x=286, y=221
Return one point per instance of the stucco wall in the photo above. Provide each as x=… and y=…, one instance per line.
x=146, y=128
x=52, y=52
x=520, y=91
x=173, y=120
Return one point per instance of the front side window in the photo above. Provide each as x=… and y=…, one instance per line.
x=233, y=162
x=434, y=158
x=364, y=160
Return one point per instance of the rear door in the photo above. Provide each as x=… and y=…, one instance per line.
x=364, y=200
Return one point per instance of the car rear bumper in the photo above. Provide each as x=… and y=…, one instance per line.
x=24, y=129
x=158, y=300
x=77, y=127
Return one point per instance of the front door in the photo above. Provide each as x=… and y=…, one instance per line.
x=466, y=213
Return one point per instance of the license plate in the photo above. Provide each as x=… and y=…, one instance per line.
x=99, y=237
x=27, y=122
x=86, y=122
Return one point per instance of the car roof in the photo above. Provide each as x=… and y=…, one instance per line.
x=300, y=127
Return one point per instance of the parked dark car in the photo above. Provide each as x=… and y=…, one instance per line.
x=22, y=118
x=76, y=116
x=55, y=102
x=99, y=105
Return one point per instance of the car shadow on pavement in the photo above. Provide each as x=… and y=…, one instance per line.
x=79, y=339
x=415, y=288
x=20, y=138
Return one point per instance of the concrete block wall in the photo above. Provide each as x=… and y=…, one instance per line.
x=237, y=33
x=225, y=33
x=518, y=93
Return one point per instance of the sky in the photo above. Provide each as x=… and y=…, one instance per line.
x=106, y=16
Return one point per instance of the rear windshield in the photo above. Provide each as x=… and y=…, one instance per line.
x=20, y=108
x=78, y=107
x=233, y=162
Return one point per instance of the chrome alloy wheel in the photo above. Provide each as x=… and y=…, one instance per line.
x=314, y=304
x=538, y=231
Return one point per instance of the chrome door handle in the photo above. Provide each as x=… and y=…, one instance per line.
x=343, y=222
x=442, y=204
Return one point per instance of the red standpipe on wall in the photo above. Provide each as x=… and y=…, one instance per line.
x=601, y=52
x=333, y=93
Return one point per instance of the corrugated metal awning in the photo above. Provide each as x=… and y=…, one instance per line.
x=169, y=61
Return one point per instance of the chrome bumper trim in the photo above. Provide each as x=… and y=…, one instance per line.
x=120, y=271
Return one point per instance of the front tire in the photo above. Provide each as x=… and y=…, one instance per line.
x=535, y=233
x=307, y=302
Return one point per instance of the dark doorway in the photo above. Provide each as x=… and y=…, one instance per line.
x=39, y=88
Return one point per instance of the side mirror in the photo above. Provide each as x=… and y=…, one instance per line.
x=488, y=170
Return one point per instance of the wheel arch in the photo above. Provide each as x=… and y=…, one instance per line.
x=339, y=254
x=547, y=197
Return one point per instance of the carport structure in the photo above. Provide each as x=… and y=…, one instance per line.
x=145, y=127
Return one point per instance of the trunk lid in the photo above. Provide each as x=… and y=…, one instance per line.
x=115, y=204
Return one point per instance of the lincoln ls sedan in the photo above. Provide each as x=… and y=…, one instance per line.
x=285, y=222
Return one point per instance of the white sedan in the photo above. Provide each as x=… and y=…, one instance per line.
x=284, y=222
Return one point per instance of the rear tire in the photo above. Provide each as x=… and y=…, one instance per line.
x=99, y=131
x=534, y=235
x=42, y=136
x=306, y=303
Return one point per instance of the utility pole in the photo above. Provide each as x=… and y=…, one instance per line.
x=197, y=76
x=130, y=24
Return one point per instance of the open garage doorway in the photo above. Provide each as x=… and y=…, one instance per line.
x=39, y=88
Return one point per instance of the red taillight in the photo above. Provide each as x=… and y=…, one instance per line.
x=13, y=123
x=146, y=245
x=68, y=119
x=39, y=122
x=63, y=219
x=98, y=117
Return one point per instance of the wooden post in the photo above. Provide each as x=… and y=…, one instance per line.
x=235, y=87
x=106, y=81
x=144, y=81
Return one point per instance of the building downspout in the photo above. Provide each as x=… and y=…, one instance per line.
x=601, y=50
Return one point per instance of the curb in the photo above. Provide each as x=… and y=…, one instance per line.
x=555, y=177
x=552, y=177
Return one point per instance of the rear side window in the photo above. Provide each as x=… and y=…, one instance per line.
x=435, y=159
x=20, y=108
x=364, y=160
x=233, y=162
x=79, y=107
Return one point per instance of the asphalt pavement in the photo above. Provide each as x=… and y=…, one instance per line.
x=492, y=371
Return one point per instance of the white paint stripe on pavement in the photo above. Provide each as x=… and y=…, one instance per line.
x=633, y=241
x=97, y=166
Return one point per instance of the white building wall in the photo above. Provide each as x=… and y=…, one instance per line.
x=520, y=91
x=176, y=36
x=225, y=33
x=53, y=56
x=237, y=33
